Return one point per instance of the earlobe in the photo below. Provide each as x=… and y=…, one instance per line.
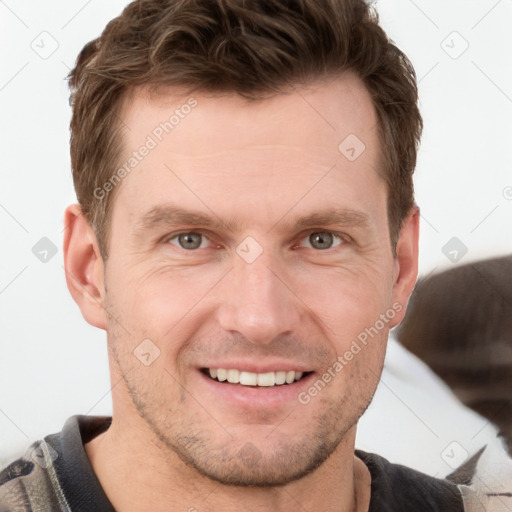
x=84, y=266
x=406, y=263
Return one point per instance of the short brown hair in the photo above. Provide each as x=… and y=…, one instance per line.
x=250, y=48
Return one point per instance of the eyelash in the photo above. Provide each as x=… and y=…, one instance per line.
x=344, y=238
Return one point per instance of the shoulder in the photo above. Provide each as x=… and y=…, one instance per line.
x=55, y=473
x=396, y=487
x=26, y=483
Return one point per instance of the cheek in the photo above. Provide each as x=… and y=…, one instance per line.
x=158, y=287
x=163, y=304
x=168, y=294
x=347, y=299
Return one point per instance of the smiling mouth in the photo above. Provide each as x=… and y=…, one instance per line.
x=268, y=379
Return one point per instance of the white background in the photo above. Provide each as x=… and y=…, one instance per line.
x=52, y=363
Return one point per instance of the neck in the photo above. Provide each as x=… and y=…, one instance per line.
x=137, y=472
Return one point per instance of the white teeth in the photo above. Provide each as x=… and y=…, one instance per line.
x=248, y=378
x=267, y=379
x=234, y=376
x=280, y=378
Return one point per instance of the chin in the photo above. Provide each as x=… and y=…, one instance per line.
x=273, y=460
x=251, y=467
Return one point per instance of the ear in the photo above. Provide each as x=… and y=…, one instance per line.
x=406, y=263
x=84, y=267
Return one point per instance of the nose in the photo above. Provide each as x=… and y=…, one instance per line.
x=258, y=301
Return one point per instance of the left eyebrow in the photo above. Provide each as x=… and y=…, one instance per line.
x=330, y=216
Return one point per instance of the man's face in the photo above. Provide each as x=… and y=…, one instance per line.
x=252, y=289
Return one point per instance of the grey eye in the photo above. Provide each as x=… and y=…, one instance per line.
x=322, y=240
x=189, y=240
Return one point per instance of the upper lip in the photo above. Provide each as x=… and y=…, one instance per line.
x=259, y=367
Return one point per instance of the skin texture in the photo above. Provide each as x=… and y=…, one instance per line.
x=257, y=167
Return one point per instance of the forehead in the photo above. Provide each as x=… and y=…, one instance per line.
x=202, y=148
x=326, y=110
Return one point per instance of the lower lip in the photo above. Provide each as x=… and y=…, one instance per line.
x=255, y=397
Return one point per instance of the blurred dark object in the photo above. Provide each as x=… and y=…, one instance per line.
x=459, y=322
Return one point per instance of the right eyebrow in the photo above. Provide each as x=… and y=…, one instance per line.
x=170, y=215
